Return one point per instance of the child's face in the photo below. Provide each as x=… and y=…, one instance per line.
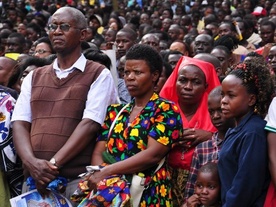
x=236, y=102
x=214, y=108
x=217, y=118
x=207, y=188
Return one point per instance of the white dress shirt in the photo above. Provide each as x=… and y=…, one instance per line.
x=102, y=93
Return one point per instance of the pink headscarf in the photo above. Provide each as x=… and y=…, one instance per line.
x=201, y=119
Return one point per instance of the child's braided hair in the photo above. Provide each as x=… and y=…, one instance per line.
x=256, y=77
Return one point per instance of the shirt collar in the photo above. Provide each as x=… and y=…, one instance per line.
x=79, y=64
x=240, y=125
x=216, y=139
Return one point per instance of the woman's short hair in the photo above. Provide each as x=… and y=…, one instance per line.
x=148, y=54
x=47, y=41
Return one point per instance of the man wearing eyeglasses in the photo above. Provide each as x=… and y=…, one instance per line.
x=61, y=107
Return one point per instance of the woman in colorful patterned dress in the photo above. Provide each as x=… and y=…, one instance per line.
x=145, y=131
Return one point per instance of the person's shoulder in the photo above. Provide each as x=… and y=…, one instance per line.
x=115, y=107
x=273, y=102
x=256, y=120
x=204, y=145
x=165, y=102
x=121, y=82
x=90, y=64
x=43, y=69
x=96, y=70
x=255, y=124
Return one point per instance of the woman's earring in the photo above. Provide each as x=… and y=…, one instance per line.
x=255, y=109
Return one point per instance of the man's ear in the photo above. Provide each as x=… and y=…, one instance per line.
x=219, y=71
x=83, y=35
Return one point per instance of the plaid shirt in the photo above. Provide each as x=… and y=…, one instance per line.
x=204, y=152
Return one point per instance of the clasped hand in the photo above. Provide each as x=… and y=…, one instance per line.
x=192, y=137
x=43, y=172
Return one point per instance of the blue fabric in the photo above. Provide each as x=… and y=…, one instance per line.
x=243, y=164
x=54, y=185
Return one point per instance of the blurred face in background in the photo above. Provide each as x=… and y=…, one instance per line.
x=42, y=50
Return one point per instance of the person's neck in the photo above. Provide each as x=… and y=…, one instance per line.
x=65, y=61
x=189, y=110
x=221, y=134
x=141, y=102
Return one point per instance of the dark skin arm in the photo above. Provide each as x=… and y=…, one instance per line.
x=139, y=162
x=97, y=158
x=42, y=170
x=271, y=138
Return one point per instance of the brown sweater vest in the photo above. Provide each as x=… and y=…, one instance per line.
x=57, y=107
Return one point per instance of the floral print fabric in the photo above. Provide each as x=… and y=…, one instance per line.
x=160, y=120
x=7, y=103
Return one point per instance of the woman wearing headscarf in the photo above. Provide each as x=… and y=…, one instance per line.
x=189, y=86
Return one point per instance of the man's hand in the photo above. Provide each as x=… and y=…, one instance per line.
x=42, y=171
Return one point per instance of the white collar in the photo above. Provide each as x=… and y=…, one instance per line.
x=79, y=64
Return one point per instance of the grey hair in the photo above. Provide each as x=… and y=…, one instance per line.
x=78, y=16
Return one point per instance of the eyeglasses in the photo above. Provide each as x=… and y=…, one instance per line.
x=63, y=27
x=41, y=51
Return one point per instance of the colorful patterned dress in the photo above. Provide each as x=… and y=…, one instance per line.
x=8, y=156
x=160, y=119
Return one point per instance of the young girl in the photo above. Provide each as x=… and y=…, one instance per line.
x=207, y=188
x=243, y=165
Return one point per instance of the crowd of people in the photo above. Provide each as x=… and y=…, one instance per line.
x=191, y=109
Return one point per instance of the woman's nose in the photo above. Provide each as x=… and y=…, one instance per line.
x=188, y=85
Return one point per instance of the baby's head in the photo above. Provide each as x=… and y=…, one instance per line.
x=207, y=185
